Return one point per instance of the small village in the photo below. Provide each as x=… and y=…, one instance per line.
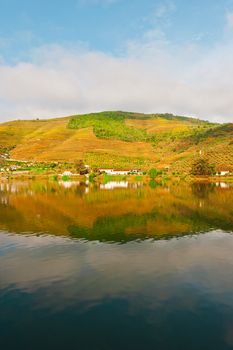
x=10, y=169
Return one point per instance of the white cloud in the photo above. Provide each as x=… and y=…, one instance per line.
x=152, y=76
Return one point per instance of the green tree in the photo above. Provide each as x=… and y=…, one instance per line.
x=153, y=173
x=92, y=177
x=201, y=166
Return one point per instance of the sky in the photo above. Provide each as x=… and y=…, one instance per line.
x=68, y=57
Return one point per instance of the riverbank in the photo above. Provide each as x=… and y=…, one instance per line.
x=103, y=178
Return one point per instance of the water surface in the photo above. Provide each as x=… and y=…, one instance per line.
x=116, y=267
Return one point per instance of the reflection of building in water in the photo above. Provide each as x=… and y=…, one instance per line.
x=116, y=211
x=114, y=184
x=68, y=184
x=13, y=187
x=222, y=185
x=119, y=184
x=4, y=200
x=8, y=187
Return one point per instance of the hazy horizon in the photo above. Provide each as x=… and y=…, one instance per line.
x=100, y=111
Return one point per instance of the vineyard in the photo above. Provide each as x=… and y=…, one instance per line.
x=120, y=139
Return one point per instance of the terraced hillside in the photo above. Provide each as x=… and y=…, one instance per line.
x=120, y=139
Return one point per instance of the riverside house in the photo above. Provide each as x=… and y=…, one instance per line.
x=115, y=171
x=223, y=173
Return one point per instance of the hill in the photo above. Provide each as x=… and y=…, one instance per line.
x=120, y=139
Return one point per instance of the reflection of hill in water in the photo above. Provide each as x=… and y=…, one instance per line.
x=119, y=215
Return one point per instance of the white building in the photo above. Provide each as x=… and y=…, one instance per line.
x=67, y=173
x=136, y=171
x=223, y=173
x=114, y=171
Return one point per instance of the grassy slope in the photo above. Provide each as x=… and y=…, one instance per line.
x=120, y=139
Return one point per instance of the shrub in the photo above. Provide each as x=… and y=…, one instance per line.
x=153, y=173
x=80, y=167
x=92, y=177
x=202, y=167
